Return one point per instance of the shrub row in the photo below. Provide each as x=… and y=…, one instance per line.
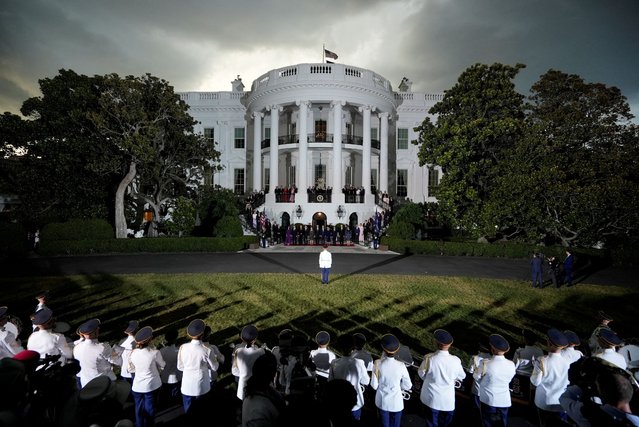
x=158, y=244
x=78, y=229
x=499, y=249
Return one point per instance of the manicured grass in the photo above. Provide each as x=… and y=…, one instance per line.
x=411, y=306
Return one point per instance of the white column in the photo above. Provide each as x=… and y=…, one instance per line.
x=337, y=151
x=302, y=129
x=383, y=154
x=366, y=151
x=257, y=150
x=274, y=165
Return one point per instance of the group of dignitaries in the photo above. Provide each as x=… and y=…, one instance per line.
x=272, y=384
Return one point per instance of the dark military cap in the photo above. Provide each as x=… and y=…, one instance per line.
x=131, y=326
x=498, y=342
x=322, y=338
x=443, y=337
x=144, y=335
x=44, y=294
x=103, y=388
x=89, y=326
x=573, y=338
x=249, y=333
x=3, y=311
x=196, y=328
x=359, y=340
x=43, y=316
x=609, y=337
x=390, y=343
x=557, y=338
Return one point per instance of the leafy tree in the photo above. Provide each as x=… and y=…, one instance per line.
x=149, y=125
x=406, y=222
x=228, y=226
x=183, y=217
x=478, y=120
x=214, y=204
x=574, y=178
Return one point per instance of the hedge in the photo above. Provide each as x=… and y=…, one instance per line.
x=77, y=229
x=13, y=240
x=157, y=244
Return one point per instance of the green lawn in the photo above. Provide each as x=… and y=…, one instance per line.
x=374, y=304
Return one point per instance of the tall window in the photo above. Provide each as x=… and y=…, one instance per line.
x=374, y=135
x=349, y=175
x=402, y=139
x=402, y=182
x=433, y=182
x=238, y=181
x=267, y=133
x=320, y=175
x=209, y=135
x=320, y=130
x=267, y=179
x=374, y=179
x=290, y=179
x=239, y=138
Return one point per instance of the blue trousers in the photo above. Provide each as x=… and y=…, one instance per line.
x=145, y=405
x=494, y=417
x=435, y=418
x=325, y=272
x=188, y=400
x=390, y=419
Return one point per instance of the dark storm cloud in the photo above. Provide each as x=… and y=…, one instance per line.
x=202, y=44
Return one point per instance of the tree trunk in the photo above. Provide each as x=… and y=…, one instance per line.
x=120, y=218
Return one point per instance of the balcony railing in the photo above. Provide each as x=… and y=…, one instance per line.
x=320, y=138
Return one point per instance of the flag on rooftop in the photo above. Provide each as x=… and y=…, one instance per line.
x=329, y=54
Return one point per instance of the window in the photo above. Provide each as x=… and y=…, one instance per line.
x=238, y=181
x=267, y=133
x=320, y=130
x=267, y=179
x=239, y=138
x=433, y=182
x=402, y=182
x=373, y=179
x=374, y=135
x=320, y=175
x=349, y=176
x=402, y=139
x=290, y=179
x=209, y=135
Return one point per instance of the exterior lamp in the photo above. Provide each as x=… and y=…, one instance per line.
x=341, y=211
x=298, y=211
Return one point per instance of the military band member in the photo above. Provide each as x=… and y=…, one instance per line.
x=353, y=370
x=475, y=362
x=125, y=348
x=147, y=363
x=195, y=360
x=45, y=341
x=608, y=342
x=440, y=371
x=604, y=323
x=244, y=357
x=570, y=353
x=550, y=376
x=494, y=376
x=359, y=340
x=390, y=378
x=524, y=356
x=9, y=345
x=95, y=358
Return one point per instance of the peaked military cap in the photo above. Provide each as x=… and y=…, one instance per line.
x=144, y=335
x=573, y=338
x=609, y=337
x=89, y=326
x=443, y=337
x=249, y=333
x=196, y=328
x=359, y=339
x=131, y=326
x=322, y=338
x=604, y=316
x=557, y=338
x=390, y=343
x=43, y=316
x=498, y=342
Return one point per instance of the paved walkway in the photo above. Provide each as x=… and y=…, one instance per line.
x=304, y=259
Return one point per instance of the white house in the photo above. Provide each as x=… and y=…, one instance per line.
x=320, y=128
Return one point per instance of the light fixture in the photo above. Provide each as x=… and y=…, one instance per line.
x=341, y=211
x=298, y=211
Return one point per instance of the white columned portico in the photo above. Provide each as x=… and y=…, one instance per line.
x=274, y=164
x=383, y=153
x=337, y=151
x=257, y=150
x=366, y=151
x=303, y=147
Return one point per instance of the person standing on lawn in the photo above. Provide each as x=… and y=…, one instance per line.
x=325, y=263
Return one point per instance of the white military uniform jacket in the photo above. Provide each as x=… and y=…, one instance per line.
x=354, y=371
x=322, y=358
x=550, y=376
x=46, y=342
x=390, y=377
x=170, y=374
x=146, y=363
x=475, y=362
x=610, y=355
x=195, y=360
x=325, y=259
x=439, y=371
x=494, y=376
x=126, y=347
x=9, y=346
x=524, y=358
x=96, y=359
x=571, y=354
x=243, y=359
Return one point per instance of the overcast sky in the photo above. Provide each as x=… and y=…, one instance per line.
x=202, y=45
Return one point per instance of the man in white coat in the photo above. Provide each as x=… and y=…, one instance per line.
x=196, y=361
x=494, y=376
x=147, y=363
x=440, y=371
x=550, y=376
x=244, y=357
x=96, y=358
x=353, y=370
x=9, y=345
x=45, y=341
x=390, y=378
x=325, y=263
